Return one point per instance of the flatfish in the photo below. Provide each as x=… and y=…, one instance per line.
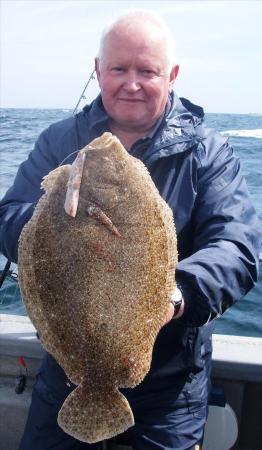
x=97, y=270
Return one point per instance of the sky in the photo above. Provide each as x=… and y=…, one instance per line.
x=48, y=48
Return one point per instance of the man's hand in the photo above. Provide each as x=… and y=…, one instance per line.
x=171, y=310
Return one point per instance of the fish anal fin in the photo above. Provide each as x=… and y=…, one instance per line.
x=92, y=414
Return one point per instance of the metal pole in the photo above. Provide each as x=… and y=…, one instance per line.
x=4, y=273
x=82, y=95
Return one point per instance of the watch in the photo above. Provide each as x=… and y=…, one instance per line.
x=176, y=300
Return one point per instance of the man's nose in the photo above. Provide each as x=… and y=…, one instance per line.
x=132, y=83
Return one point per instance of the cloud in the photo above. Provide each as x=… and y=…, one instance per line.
x=202, y=65
x=53, y=43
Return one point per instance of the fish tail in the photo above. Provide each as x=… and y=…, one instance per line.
x=92, y=414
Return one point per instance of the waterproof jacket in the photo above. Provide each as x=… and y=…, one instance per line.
x=197, y=174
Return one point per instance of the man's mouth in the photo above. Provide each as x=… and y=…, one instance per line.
x=131, y=100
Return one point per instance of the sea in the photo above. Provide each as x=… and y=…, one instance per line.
x=21, y=127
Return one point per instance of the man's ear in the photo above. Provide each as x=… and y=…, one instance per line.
x=172, y=77
x=97, y=69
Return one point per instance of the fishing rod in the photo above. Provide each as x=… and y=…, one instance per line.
x=5, y=272
x=82, y=96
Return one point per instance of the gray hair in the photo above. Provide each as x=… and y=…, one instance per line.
x=141, y=16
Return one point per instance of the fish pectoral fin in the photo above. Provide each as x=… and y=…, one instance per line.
x=92, y=413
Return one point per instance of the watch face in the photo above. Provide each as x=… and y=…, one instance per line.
x=177, y=299
x=177, y=295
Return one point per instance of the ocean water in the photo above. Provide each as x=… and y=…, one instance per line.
x=18, y=132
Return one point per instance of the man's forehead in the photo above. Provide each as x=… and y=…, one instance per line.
x=139, y=57
x=141, y=60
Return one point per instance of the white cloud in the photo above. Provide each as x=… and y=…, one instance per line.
x=48, y=47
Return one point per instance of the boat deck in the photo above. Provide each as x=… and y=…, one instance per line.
x=237, y=368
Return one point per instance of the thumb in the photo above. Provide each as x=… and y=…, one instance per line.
x=169, y=313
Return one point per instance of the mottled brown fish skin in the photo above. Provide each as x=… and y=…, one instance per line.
x=98, y=298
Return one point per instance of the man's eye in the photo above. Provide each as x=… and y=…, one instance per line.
x=148, y=72
x=117, y=69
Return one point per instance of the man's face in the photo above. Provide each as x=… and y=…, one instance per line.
x=134, y=78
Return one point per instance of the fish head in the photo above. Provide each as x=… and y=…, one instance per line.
x=103, y=181
x=98, y=175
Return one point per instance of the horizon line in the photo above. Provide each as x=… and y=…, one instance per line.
x=60, y=108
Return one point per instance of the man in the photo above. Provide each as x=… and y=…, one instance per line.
x=197, y=174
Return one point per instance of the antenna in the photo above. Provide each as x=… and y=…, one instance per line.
x=92, y=77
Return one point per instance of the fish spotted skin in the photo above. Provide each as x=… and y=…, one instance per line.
x=98, y=298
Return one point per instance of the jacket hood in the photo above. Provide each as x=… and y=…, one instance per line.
x=179, y=129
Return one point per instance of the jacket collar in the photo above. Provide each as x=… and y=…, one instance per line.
x=97, y=113
x=174, y=132
x=179, y=129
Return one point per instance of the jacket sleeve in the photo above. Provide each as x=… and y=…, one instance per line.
x=223, y=265
x=17, y=206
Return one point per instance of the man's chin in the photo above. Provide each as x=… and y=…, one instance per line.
x=132, y=122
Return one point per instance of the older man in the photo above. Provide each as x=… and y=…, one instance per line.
x=197, y=174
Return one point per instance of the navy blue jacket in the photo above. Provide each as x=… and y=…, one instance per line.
x=198, y=175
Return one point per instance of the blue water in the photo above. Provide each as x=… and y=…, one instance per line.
x=21, y=127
